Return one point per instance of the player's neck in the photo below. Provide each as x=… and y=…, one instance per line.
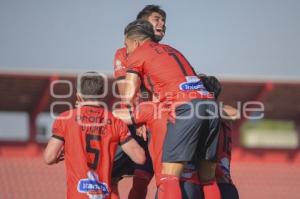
x=145, y=41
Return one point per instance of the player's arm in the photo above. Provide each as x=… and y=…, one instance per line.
x=135, y=65
x=134, y=151
x=120, y=69
x=142, y=114
x=54, y=151
x=132, y=85
x=124, y=115
x=129, y=145
x=121, y=86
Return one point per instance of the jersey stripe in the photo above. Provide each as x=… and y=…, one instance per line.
x=179, y=63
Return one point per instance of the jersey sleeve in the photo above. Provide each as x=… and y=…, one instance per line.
x=135, y=63
x=120, y=63
x=122, y=131
x=58, y=129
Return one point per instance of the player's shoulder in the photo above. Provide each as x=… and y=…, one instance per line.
x=66, y=114
x=120, y=60
x=113, y=120
x=147, y=106
x=115, y=124
x=120, y=52
x=168, y=47
x=143, y=52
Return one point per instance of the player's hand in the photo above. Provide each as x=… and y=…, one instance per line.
x=231, y=113
x=142, y=132
x=61, y=156
x=77, y=104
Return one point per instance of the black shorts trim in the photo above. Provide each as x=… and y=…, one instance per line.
x=122, y=165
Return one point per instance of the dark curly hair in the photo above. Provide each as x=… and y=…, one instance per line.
x=212, y=84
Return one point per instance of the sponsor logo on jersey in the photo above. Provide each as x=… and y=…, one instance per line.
x=192, y=83
x=118, y=65
x=93, y=187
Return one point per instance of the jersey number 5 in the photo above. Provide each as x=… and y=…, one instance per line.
x=88, y=139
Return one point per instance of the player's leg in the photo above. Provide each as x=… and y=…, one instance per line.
x=180, y=145
x=207, y=153
x=206, y=172
x=114, y=191
x=122, y=166
x=211, y=190
x=228, y=191
x=169, y=187
x=191, y=190
x=140, y=182
x=142, y=173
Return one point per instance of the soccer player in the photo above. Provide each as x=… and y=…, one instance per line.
x=155, y=116
x=223, y=177
x=172, y=80
x=88, y=136
x=157, y=17
x=142, y=173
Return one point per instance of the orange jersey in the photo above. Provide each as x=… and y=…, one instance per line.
x=166, y=73
x=91, y=136
x=224, y=153
x=155, y=116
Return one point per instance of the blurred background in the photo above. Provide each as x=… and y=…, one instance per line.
x=252, y=46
